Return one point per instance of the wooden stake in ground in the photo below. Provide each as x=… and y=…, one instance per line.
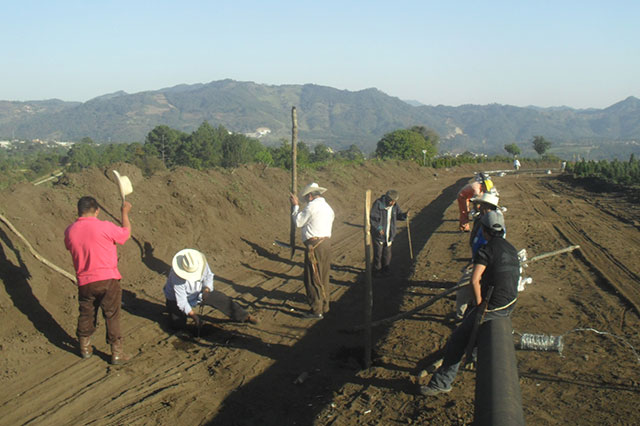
x=409, y=236
x=294, y=174
x=368, y=298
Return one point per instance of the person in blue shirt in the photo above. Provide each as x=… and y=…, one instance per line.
x=485, y=203
x=495, y=265
x=190, y=283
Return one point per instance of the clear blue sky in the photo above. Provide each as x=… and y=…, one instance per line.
x=546, y=53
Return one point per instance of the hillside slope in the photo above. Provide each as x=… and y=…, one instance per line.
x=337, y=118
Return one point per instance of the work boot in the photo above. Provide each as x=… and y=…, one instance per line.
x=117, y=353
x=86, y=350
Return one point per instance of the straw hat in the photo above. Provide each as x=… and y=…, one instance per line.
x=312, y=187
x=189, y=264
x=488, y=198
x=124, y=184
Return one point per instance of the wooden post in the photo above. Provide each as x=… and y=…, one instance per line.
x=553, y=253
x=294, y=174
x=409, y=236
x=368, y=298
x=34, y=252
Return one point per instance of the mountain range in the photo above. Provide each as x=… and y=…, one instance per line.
x=337, y=118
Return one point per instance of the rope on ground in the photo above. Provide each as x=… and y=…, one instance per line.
x=35, y=253
x=410, y=312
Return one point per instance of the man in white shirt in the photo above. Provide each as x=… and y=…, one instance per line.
x=316, y=221
x=190, y=283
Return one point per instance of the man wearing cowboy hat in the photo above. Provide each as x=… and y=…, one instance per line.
x=384, y=213
x=486, y=202
x=496, y=266
x=92, y=243
x=189, y=284
x=316, y=220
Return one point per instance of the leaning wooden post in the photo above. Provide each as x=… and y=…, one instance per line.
x=409, y=236
x=368, y=298
x=294, y=175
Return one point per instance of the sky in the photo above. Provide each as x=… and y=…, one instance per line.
x=581, y=54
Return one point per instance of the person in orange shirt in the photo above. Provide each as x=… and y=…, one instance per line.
x=479, y=186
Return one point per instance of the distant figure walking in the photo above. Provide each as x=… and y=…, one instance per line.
x=516, y=164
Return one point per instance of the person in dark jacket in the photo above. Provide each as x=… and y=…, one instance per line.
x=494, y=265
x=384, y=214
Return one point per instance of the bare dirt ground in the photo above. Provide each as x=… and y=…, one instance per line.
x=238, y=374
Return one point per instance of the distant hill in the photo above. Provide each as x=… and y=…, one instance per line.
x=338, y=118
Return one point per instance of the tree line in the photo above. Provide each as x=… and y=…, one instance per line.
x=625, y=173
x=210, y=146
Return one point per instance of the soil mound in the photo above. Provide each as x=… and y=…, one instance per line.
x=286, y=370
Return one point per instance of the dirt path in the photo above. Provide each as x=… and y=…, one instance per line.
x=236, y=374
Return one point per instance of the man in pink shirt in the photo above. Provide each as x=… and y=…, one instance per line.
x=92, y=243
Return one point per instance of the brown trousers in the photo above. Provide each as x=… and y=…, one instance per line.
x=317, y=264
x=106, y=295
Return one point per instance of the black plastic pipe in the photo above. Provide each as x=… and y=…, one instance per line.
x=498, y=398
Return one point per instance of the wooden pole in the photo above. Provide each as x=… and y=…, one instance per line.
x=294, y=174
x=368, y=297
x=410, y=312
x=409, y=236
x=35, y=253
x=553, y=253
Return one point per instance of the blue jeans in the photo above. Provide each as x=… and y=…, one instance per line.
x=456, y=346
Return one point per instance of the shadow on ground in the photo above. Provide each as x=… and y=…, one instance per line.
x=327, y=357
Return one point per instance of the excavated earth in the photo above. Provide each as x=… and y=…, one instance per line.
x=292, y=371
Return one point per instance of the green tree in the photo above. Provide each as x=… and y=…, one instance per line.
x=81, y=156
x=281, y=155
x=353, y=153
x=540, y=144
x=303, y=155
x=237, y=149
x=264, y=157
x=405, y=145
x=512, y=149
x=321, y=153
x=164, y=142
x=428, y=134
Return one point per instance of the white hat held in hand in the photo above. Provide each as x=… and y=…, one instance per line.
x=189, y=264
x=312, y=187
x=124, y=184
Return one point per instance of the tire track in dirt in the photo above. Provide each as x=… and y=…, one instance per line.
x=594, y=255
